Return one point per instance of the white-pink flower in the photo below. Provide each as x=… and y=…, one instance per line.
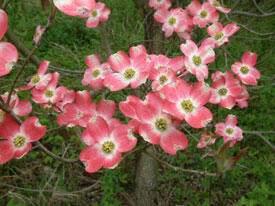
x=206, y=140
x=245, y=70
x=38, y=33
x=157, y=4
x=218, y=6
x=99, y=13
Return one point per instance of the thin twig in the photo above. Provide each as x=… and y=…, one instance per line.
x=262, y=137
x=179, y=168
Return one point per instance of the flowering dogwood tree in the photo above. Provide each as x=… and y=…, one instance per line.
x=169, y=94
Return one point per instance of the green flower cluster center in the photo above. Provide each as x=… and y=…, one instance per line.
x=218, y=36
x=108, y=147
x=222, y=91
x=19, y=141
x=197, y=60
x=217, y=3
x=94, y=13
x=229, y=131
x=172, y=21
x=163, y=79
x=244, y=69
x=95, y=73
x=35, y=79
x=161, y=124
x=129, y=73
x=49, y=93
x=203, y=14
x=187, y=105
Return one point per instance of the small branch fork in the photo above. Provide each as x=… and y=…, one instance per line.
x=179, y=168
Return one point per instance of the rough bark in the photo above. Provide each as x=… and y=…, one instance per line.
x=145, y=191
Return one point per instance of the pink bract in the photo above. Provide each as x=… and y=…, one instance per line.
x=203, y=14
x=229, y=131
x=245, y=70
x=3, y=23
x=157, y=4
x=107, y=141
x=8, y=57
x=206, y=140
x=96, y=72
x=38, y=33
x=218, y=6
x=19, y=138
x=196, y=59
x=99, y=13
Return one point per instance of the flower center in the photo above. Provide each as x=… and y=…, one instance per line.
x=163, y=79
x=95, y=73
x=35, y=79
x=244, y=69
x=161, y=124
x=222, y=91
x=229, y=131
x=219, y=35
x=203, y=14
x=129, y=73
x=94, y=13
x=207, y=139
x=10, y=65
x=197, y=60
x=217, y=3
x=108, y=147
x=172, y=21
x=19, y=141
x=187, y=105
x=49, y=93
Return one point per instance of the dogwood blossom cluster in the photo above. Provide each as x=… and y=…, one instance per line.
x=94, y=11
x=171, y=102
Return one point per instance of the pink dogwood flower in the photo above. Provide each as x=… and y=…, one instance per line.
x=8, y=57
x=197, y=58
x=99, y=13
x=203, y=14
x=157, y=4
x=173, y=20
x=19, y=138
x=228, y=130
x=245, y=70
x=218, y=6
x=133, y=70
x=156, y=126
x=225, y=90
x=206, y=140
x=38, y=33
x=186, y=102
x=242, y=98
x=19, y=108
x=3, y=23
x=40, y=80
x=108, y=141
x=220, y=35
x=68, y=98
x=75, y=7
x=96, y=72
x=51, y=94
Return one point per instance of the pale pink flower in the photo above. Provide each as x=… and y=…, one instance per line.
x=203, y=14
x=186, y=102
x=51, y=94
x=96, y=72
x=38, y=33
x=133, y=70
x=8, y=57
x=3, y=23
x=157, y=4
x=220, y=35
x=106, y=143
x=228, y=130
x=218, y=6
x=245, y=70
x=99, y=13
x=174, y=20
x=19, y=138
x=206, y=140
x=19, y=108
x=225, y=90
x=196, y=59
